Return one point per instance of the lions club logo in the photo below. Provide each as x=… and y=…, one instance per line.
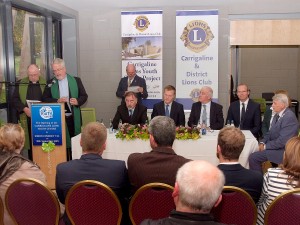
x=197, y=35
x=141, y=23
x=195, y=94
x=46, y=112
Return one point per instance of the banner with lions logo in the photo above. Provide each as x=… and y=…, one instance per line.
x=196, y=54
x=142, y=46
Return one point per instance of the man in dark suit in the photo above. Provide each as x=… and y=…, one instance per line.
x=245, y=113
x=162, y=163
x=131, y=112
x=197, y=190
x=132, y=81
x=283, y=127
x=231, y=142
x=169, y=107
x=64, y=88
x=91, y=166
x=206, y=111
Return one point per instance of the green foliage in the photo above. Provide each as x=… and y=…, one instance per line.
x=48, y=147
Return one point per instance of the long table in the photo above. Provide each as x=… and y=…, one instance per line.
x=202, y=149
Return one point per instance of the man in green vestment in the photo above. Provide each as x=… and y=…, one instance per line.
x=64, y=88
x=27, y=89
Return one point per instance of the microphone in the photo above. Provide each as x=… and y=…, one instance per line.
x=53, y=82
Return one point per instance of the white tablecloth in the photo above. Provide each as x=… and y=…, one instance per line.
x=202, y=149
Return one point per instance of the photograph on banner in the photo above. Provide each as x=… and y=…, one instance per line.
x=142, y=46
x=196, y=54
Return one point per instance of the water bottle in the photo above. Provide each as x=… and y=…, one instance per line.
x=101, y=121
x=228, y=124
x=111, y=128
x=203, y=128
x=232, y=123
x=120, y=124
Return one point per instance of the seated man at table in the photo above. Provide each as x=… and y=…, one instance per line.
x=169, y=107
x=131, y=112
x=197, y=190
x=91, y=166
x=206, y=111
x=162, y=163
x=231, y=142
x=284, y=126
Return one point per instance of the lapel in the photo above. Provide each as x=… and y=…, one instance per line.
x=173, y=109
x=238, y=111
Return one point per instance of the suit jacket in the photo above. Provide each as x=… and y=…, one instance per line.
x=265, y=125
x=252, y=120
x=137, y=81
x=159, y=165
x=91, y=166
x=286, y=127
x=177, y=112
x=216, y=115
x=238, y=176
x=139, y=115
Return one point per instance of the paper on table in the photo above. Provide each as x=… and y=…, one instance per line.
x=134, y=88
x=29, y=102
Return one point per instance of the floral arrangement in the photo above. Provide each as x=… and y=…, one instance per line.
x=48, y=147
x=184, y=133
x=131, y=132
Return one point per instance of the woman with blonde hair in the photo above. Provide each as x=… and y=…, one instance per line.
x=281, y=179
x=14, y=166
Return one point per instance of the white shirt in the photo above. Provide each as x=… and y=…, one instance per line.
x=241, y=106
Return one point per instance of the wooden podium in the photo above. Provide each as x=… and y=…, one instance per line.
x=48, y=127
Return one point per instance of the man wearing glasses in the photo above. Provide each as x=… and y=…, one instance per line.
x=64, y=88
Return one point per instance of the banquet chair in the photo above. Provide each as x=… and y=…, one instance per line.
x=88, y=115
x=151, y=201
x=89, y=202
x=29, y=201
x=284, y=209
x=236, y=207
x=1, y=212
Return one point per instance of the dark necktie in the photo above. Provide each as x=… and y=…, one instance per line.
x=130, y=113
x=167, y=111
x=243, y=112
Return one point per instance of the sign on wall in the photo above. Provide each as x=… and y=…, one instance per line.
x=196, y=54
x=142, y=46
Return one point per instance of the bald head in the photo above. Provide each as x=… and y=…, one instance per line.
x=200, y=185
x=130, y=70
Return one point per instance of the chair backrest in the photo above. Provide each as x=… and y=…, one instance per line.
x=236, y=207
x=29, y=201
x=89, y=202
x=284, y=209
x=262, y=102
x=1, y=212
x=88, y=115
x=151, y=201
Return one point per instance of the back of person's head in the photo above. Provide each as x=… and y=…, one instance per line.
x=283, y=98
x=200, y=185
x=12, y=138
x=163, y=130
x=291, y=160
x=231, y=141
x=93, y=137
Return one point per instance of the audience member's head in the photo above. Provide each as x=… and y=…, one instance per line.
x=286, y=93
x=59, y=68
x=280, y=102
x=130, y=70
x=169, y=94
x=130, y=100
x=33, y=73
x=198, y=187
x=231, y=142
x=243, y=92
x=291, y=160
x=206, y=94
x=162, y=131
x=93, y=138
x=12, y=138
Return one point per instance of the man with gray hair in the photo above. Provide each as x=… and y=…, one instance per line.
x=162, y=163
x=207, y=112
x=284, y=126
x=197, y=190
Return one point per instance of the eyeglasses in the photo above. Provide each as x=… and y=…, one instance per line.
x=58, y=70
